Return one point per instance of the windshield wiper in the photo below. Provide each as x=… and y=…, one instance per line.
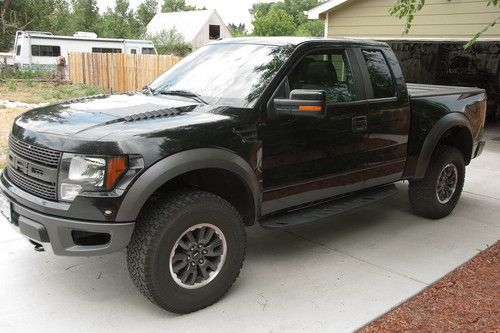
x=149, y=89
x=184, y=93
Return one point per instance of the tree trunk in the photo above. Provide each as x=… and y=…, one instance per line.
x=3, y=14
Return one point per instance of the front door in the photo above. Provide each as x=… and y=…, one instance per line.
x=309, y=159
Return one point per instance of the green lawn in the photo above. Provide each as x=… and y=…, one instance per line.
x=35, y=92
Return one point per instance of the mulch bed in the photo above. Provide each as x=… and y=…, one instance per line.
x=465, y=300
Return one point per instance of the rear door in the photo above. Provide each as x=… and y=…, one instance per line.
x=387, y=117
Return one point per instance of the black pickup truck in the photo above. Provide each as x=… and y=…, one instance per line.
x=274, y=131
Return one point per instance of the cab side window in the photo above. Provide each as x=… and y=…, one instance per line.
x=380, y=74
x=328, y=71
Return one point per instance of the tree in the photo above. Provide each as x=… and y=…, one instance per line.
x=313, y=28
x=294, y=9
x=59, y=18
x=146, y=11
x=277, y=22
x=45, y=15
x=237, y=30
x=176, y=6
x=170, y=42
x=408, y=8
x=120, y=22
x=85, y=16
x=260, y=9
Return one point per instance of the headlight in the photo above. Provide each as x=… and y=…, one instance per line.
x=87, y=169
x=82, y=173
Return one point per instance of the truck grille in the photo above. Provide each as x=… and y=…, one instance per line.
x=36, y=154
x=38, y=188
x=33, y=169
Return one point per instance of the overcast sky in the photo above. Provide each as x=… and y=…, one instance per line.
x=232, y=11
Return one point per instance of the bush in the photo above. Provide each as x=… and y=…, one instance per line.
x=11, y=85
x=171, y=42
x=19, y=74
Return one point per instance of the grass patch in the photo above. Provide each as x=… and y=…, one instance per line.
x=36, y=92
x=7, y=117
x=13, y=73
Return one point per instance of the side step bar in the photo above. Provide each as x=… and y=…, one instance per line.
x=329, y=209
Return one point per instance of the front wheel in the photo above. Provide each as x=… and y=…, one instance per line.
x=187, y=252
x=438, y=193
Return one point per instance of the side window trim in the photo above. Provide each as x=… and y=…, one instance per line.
x=282, y=90
x=356, y=73
x=370, y=96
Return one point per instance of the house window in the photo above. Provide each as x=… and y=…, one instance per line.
x=213, y=31
x=133, y=51
x=148, y=50
x=18, y=50
x=105, y=50
x=45, y=51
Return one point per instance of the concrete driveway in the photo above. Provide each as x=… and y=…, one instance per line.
x=326, y=277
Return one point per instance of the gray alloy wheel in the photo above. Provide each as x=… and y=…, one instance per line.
x=198, y=256
x=447, y=183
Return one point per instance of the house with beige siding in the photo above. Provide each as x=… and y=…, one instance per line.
x=439, y=19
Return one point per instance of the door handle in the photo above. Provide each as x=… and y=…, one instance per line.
x=359, y=124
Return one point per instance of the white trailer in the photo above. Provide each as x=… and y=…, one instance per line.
x=36, y=50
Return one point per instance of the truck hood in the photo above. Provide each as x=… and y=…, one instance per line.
x=98, y=116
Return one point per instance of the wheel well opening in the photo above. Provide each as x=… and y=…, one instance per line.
x=460, y=138
x=223, y=183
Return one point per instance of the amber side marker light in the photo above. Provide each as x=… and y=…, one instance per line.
x=117, y=165
x=309, y=108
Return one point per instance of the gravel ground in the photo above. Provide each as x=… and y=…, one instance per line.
x=466, y=300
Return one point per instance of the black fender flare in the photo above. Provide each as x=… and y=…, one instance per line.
x=445, y=123
x=180, y=163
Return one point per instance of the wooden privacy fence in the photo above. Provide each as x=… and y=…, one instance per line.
x=117, y=71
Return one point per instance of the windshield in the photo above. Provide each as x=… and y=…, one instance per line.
x=228, y=74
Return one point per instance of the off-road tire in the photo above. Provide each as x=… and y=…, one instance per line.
x=422, y=193
x=157, y=230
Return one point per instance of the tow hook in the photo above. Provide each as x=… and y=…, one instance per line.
x=37, y=246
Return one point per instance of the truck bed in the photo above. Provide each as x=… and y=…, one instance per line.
x=425, y=90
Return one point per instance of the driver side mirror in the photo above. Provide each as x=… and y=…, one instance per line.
x=302, y=102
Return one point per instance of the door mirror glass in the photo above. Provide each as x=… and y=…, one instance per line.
x=302, y=102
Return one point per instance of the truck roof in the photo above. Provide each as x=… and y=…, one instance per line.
x=278, y=41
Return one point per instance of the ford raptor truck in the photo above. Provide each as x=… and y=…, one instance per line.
x=271, y=131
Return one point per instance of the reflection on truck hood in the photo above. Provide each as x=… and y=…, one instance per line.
x=97, y=116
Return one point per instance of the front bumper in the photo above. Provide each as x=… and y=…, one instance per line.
x=64, y=236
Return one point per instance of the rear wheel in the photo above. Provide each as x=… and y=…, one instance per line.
x=187, y=252
x=438, y=193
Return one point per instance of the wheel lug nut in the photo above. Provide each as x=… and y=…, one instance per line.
x=204, y=251
x=192, y=248
x=188, y=258
x=199, y=246
x=201, y=261
x=193, y=264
